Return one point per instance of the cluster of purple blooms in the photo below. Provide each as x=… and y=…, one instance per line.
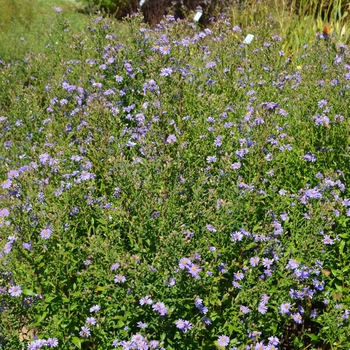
x=158, y=306
x=183, y=325
x=85, y=331
x=187, y=265
x=43, y=343
x=138, y=341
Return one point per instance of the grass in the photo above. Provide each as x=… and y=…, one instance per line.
x=173, y=188
x=24, y=25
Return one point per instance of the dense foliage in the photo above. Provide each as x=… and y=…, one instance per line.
x=174, y=188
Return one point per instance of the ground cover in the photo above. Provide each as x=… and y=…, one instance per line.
x=174, y=188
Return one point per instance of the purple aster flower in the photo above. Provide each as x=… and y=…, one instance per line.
x=238, y=275
x=285, y=308
x=236, y=166
x=222, y=268
x=206, y=320
x=7, y=247
x=284, y=216
x=211, y=159
x=322, y=103
x=187, y=326
x=142, y=325
x=115, y=266
x=242, y=152
x=313, y=193
x=203, y=310
x=198, y=302
x=327, y=240
x=91, y=320
x=171, y=139
x=85, y=332
x=87, y=262
x=260, y=346
x=28, y=245
x=85, y=175
x=15, y=291
x=119, y=279
x=274, y=341
x=244, y=309
x=161, y=308
x=146, y=300
x=44, y=158
x=52, y=342
x=37, y=344
x=6, y=183
x=153, y=344
x=184, y=263
x=314, y=313
x=180, y=323
x=211, y=228
x=46, y=233
x=254, y=334
x=345, y=314
x=292, y=264
x=236, y=285
x=265, y=298
x=297, y=318
x=236, y=29
x=236, y=236
x=4, y=213
x=223, y=340
x=218, y=141
x=210, y=64
x=262, y=308
x=194, y=270
x=183, y=325
x=301, y=309
x=267, y=262
x=13, y=174
x=197, y=257
x=94, y=308
x=310, y=157
x=165, y=72
x=254, y=261
x=164, y=50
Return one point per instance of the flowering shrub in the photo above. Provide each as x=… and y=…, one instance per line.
x=166, y=190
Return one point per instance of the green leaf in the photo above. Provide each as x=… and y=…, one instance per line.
x=39, y=319
x=313, y=337
x=73, y=307
x=250, y=246
x=28, y=292
x=50, y=298
x=338, y=286
x=76, y=341
x=101, y=221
